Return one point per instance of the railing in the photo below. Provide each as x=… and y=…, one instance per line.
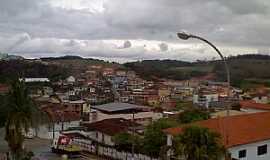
x=107, y=151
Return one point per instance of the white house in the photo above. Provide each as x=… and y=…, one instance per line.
x=104, y=131
x=71, y=79
x=205, y=99
x=248, y=136
x=29, y=80
x=261, y=98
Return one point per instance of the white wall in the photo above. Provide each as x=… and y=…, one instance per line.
x=148, y=116
x=251, y=110
x=46, y=133
x=98, y=136
x=208, y=98
x=251, y=151
x=263, y=99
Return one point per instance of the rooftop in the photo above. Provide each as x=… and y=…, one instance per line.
x=243, y=129
x=118, y=107
x=112, y=126
x=253, y=105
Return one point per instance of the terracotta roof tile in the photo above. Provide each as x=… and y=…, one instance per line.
x=112, y=126
x=242, y=129
x=252, y=104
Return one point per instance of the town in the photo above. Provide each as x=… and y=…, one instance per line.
x=99, y=112
x=134, y=80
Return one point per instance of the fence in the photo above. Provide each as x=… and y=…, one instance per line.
x=88, y=146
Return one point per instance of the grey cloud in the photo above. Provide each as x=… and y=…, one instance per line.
x=127, y=44
x=37, y=27
x=163, y=46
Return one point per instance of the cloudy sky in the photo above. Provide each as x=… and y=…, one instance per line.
x=128, y=30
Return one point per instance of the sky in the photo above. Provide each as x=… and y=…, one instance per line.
x=130, y=30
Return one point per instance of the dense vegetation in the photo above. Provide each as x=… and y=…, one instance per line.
x=193, y=115
x=18, y=68
x=151, y=143
x=245, y=69
x=197, y=143
x=172, y=69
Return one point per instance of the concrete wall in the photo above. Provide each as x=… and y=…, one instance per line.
x=141, y=117
x=251, y=151
x=46, y=132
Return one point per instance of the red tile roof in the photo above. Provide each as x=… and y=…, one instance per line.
x=242, y=129
x=4, y=88
x=112, y=126
x=57, y=115
x=252, y=104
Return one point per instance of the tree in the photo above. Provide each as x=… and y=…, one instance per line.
x=189, y=116
x=154, y=137
x=123, y=141
x=21, y=116
x=197, y=143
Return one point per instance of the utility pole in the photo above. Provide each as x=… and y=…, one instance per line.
x=133, y=133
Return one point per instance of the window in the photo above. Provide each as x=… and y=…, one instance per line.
x=102, y=138
x=96, y=135
x=262, y=150
x=242, y=153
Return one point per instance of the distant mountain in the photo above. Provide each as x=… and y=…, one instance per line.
x=67, y=57
x=7, y=57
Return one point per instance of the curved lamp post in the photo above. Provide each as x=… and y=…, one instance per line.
x=186, y=36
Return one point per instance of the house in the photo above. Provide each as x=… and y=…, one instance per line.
x=32, y=80
x=244, y=136
x=59, y=120
x=4, y=88
x=121, y=73
x=47, y=91
x=108, y=71
x=104, y=131
x=153, y=100
x=204, y=96
x=251, y=106
x=261, y=98
x=71, y=80
x=131, y=75
x=142, y=114
x=164, y=93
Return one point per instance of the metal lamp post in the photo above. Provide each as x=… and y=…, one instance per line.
x=186, y=36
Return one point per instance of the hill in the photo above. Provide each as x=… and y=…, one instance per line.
x=172, y=69
x=54, y=68
x=8, y=57
x=246, y=69
x=251, y=68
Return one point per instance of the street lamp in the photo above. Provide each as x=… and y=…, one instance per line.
x=186, y=36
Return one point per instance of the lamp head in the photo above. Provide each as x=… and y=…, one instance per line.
x=183, y=35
